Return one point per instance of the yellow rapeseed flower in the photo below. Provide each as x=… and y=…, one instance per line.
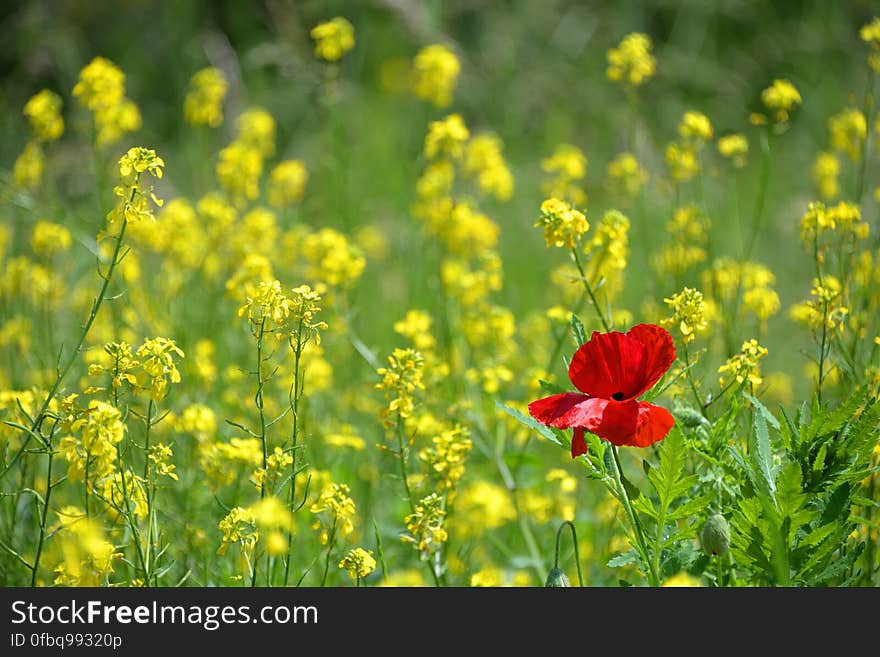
x=435, y=73
x=631, y=62
x=43, y=110
x=563, y=226
x=333, y=38
x=203, y=104
x=781, y=98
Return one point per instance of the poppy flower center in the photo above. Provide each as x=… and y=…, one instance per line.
x=617, y=396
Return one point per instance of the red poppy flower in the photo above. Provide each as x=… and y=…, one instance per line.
x=612, y=369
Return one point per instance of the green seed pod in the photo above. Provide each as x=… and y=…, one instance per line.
x=715, y=536
x=689, y=417
x=557, y=579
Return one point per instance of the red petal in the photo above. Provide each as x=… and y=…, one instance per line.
x=609, y=365
x=659, y=350
x=634, y=424
x=578, y=444
x=567, y=410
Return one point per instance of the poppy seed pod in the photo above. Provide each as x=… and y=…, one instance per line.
x=689, y=417
x=557, y=579
x=715, y=537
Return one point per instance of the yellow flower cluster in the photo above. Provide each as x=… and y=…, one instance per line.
x=276, y=464
x=203, y=104
x=843, y=219
x=425, y=526
x=332, y=258
x=336, y=501
x=870, y=34
x=136, y=199
x=608, y=250
x=43, y=111
x=563, y=226
x=435, y=74
x=744, y=365
x=625, y=174
x=446, y=138
x=272, y=518
x=27, y=170
x=86, y=556
x=240, y=164
x=631, y=62
x=695, y=129
x=400, y=380
x=287, y=183
x=483, y=160
x=848, y=130
x=826, y=171
x=49, y=239
x=157, y=361
x=689, y=230
x=239, y=526
x=359, y=563
x=333, y=38
x=781, y=98
x=682, y=162
x=734, y=147
x=101, y=88
x=160, y=459
x=752, y=282
x=446, y=456
x=688, y=313
x=568, y=167
x=826, y=307
x=92, y=455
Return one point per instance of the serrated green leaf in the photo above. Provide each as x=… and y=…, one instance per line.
x=530, y=422
x=837, y=506
x=759, y=452
x=819, y=462
x=691, y=508
x=624, y=559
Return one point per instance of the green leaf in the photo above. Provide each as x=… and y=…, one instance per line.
x=552, y=388
x=624, y=559
x=819, y=463
x=577, y=328
x=692, y=507
x=530, y=422
x=759, y=449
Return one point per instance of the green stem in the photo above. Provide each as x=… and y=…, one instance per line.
x=574, y=540
x=690, y=378
x=150, y=493
x=330, y=540
x=589, y=290
x=653, y=579
x=297, y=353
x=43, y=519
x=258, y=400
x=402, y=458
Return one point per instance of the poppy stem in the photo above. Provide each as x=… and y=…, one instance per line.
x=589, y=289
x=653, y=579
x=574, y=540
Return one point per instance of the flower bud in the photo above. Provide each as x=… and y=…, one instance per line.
x=557, y=579
x=689, y=417
x=715, y=537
